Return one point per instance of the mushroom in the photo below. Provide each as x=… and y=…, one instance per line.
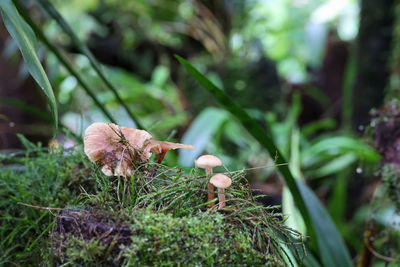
x=162, y=147
x=118, y=148
x=221, y=182
x=115, y=147
x=208, y=162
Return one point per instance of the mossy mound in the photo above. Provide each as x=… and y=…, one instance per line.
x=158, y=239
x=158, y=216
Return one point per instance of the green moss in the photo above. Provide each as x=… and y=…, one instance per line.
x=161, y=240
x=81, y=252
x=391, y=181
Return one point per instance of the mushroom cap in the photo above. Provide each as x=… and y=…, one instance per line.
x=158, y=147
x=116, y=148
x=221, y=181
x=208, y=161
x=104, y=144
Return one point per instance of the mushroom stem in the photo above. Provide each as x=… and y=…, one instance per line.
x=210, y=188
x=160, y=156
x=221, y=198
x=210, y=195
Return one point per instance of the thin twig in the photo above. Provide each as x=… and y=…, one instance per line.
x=38, y=207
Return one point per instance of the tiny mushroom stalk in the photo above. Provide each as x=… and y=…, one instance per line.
x=208, y=162
x=221, y=182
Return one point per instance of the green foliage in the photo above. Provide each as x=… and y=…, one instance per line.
x=63, y=60
x=26, y=40
x=317, y=157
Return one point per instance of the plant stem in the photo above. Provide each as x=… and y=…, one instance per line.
x=210, y=188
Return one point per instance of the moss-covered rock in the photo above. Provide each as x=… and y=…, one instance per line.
x=159, y=239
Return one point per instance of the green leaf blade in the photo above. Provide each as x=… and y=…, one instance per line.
x=26, y=41
x=332, y=249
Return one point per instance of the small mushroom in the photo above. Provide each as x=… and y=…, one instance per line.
x=221, y=182
x=208, y=162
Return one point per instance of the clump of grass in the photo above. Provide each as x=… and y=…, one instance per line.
x=165, y=211
x=39, y=177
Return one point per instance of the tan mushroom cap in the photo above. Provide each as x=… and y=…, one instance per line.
x=117, y=148
x=221, y=180
x=158, y=147
x=208, y=161
x=104, y=144
x=101, y=138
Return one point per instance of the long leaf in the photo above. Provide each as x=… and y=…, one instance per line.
x=26, y=41
x=332, y=249
x=324, y=236
x=52, y=12
x=64, y=61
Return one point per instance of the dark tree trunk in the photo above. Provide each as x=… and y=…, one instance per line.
x=372, y=57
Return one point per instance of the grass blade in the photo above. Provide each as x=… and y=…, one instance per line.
x=26, y=41
x=53, y=13
x=324, y=236
x=63, y=60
